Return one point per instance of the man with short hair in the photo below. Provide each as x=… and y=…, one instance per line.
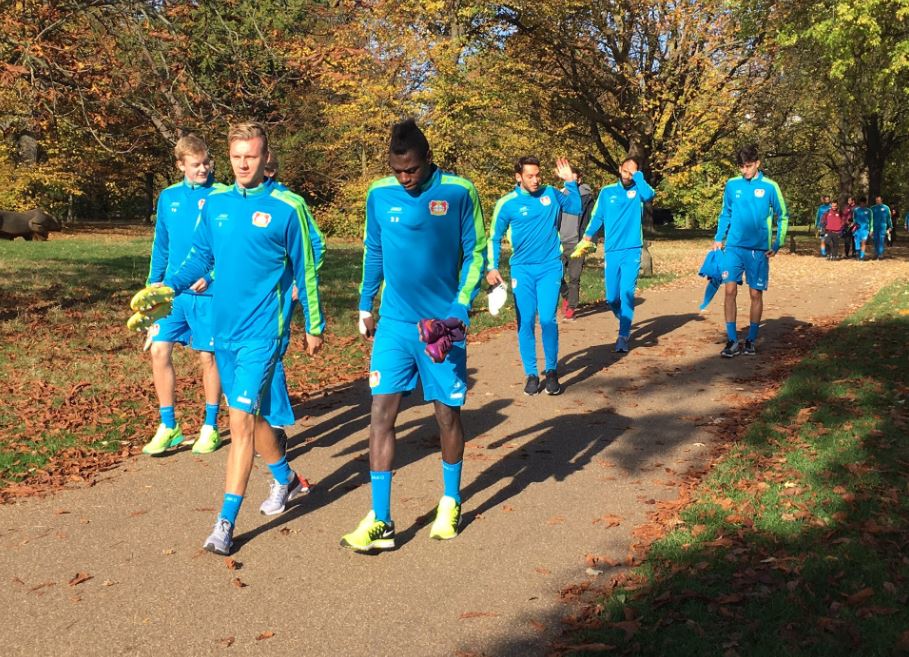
x=571, y=228
x=750, y=201
x=529, y=216
x=424, y=239
x=832, y=225
x=257, y=238
x=881, y=225
x=862, y=219
x=619, y=210
x=189, y=322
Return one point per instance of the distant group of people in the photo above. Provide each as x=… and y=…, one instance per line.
x=854, y=224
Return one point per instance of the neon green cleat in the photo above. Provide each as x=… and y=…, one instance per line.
x=209, y=440
x=164, y=439
x=143, y=319
x=583, y=248
x=448, y=519
x=151, y=296
x=370, y=534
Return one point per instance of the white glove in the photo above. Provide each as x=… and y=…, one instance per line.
x=364, y=315
x=497, y=298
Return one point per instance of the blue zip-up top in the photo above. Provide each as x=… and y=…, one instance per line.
x=177, y=215
x=881, y=217
x=749, y=207
x=258, y=240
x=862, y=218
x=821, y=211
x=315, y=235
x=426, y=246
x=531, y=222
x=619, y=210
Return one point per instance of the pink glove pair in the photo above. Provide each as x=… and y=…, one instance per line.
x=438, y=334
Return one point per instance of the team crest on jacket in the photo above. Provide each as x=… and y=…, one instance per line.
x=759, y=193
x=201, y=203
x=438, y=208
x=631, y=193
x=261, y=219
x=545, y=200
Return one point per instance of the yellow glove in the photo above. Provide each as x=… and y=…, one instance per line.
x=583, y=248
x=142, y=320
x=151, y=297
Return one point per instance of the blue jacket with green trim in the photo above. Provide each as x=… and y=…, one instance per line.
x=428, y=247
x=749, y=207
x=259, y=241
x=618, y=211
x=881, y=217
x=315, y=235
x=176, y=217
x=862, y=218
x=531, y=222
x=819, y=215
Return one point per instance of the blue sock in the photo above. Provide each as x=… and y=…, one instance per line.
x=211, y=414
x=451, y=476
x=753, y=331
x=281, y=471
x=381, y=494
x=730, y=330
x=168, y=418
x=230, y=507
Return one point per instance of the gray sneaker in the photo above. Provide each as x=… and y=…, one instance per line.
x=221, y=539
x=279, y=495
x=621, y=344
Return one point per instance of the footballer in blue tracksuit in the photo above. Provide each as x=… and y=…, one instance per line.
x=862, y=219
x=424, y=240
x=881, y=225
x=750, y=204
x=256, y=237
x=189, y=322
x=529, y=216
x=818, y=218
x=618, y=210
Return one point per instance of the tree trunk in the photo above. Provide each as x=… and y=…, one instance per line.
x=149, y=197
x=877, y=152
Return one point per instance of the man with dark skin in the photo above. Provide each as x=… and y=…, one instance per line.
x=425, y=239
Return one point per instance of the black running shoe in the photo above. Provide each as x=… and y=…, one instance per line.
x=552, y=385
x=749, y=349
x=733, y=348
x=532, y=386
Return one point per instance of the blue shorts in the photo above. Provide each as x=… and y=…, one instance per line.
x=861, y=235
x=189, y=323
x=247, y=371
x=398, y=360
x=755, y=265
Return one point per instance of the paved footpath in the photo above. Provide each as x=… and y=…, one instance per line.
x=540, y=473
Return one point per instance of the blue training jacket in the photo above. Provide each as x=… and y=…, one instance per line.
x=862, y=218
x=619, y=211
x=531, y=222
x=177, y=214
x=259, y=242
x=427, y=247
x=315, y=235
x=749, y=206
x=821, y=211
x=881, y=218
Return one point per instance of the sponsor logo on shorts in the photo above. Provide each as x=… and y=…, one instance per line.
x=545, y=200
x=438, y=208
x=631, y=193
x=261, y=219
x=456, y=395
x=725, y=275
x=759, y=193
x=514, y=283
x=244, y=400
x=375, y=378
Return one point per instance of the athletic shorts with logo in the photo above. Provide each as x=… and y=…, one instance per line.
x=189, y=323
x=753, y=264
x=398, y=361
x=247, y=371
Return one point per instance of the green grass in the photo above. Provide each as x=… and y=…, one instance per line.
x=74, y=381
x=795, y=543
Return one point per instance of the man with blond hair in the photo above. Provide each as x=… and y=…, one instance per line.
x=257, y=238
x=189, y=322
